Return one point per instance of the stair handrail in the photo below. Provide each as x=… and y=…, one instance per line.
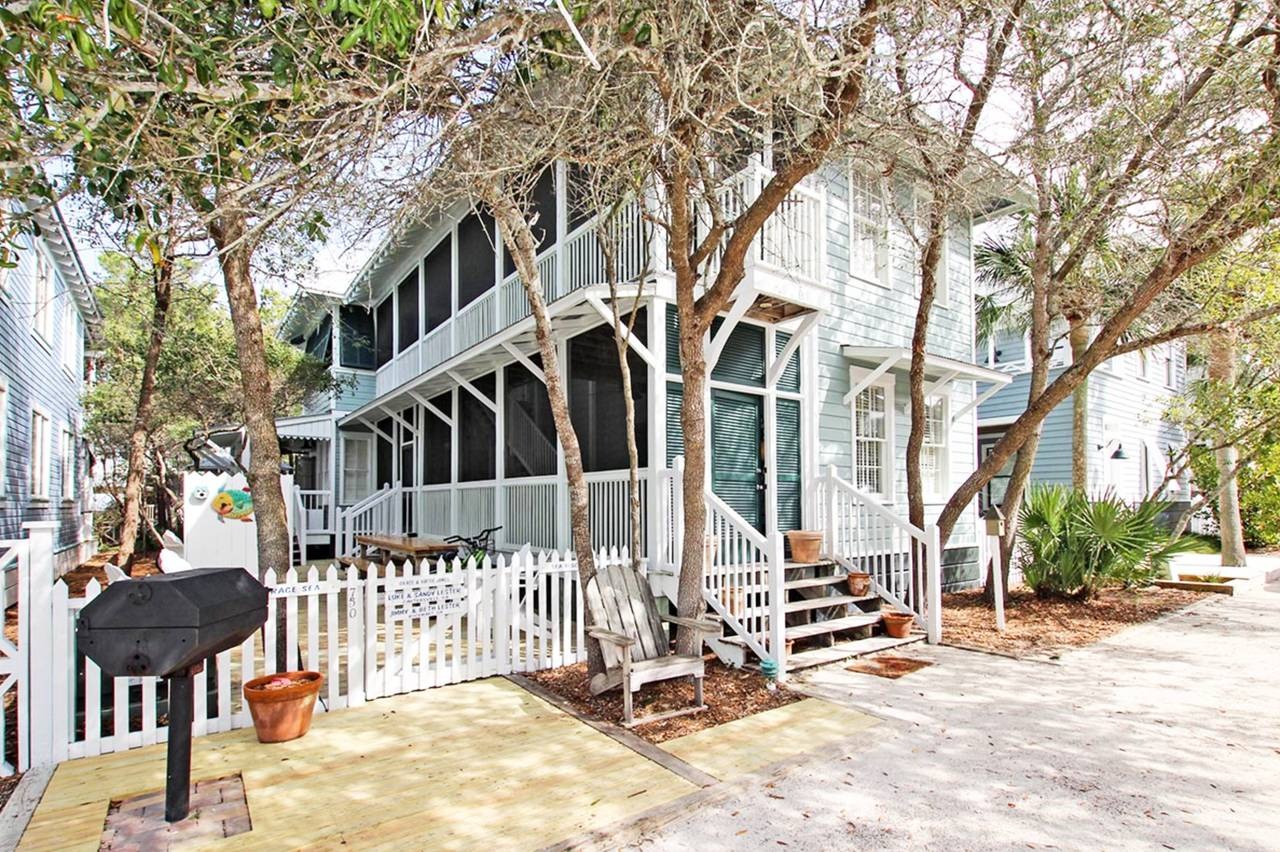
x=875, y=505
x=346, y=517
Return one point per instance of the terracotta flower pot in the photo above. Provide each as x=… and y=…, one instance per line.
x=897, y=624
x=859, y=583
x=805, y=545
x=282, y=704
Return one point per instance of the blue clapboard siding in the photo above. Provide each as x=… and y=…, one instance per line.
x=1124, y=409
x=33, y=371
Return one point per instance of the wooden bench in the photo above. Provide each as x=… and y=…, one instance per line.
x=634, y=641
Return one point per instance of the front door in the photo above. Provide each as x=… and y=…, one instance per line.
x=737, y=468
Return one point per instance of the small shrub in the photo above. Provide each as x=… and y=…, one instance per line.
x=1071, y=545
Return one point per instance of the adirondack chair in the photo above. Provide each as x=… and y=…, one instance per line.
x=634, y=642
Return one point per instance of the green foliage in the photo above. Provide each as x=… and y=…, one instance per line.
x=1071, y=545
x=1258, y=484
x=198, y=373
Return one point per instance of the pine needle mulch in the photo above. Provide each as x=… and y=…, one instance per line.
x=1040, y=628
x=729, y=694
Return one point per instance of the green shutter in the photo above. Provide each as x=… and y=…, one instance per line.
x=790, y=378
x=673, y=339
x=735, y=453
x=788, y=464
x=742, y=359
x=675, y=435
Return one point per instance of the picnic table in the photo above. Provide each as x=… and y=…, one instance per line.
x=412, y=547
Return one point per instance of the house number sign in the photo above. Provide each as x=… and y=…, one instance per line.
x=420, y=598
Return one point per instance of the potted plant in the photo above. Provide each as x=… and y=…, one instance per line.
x=859, y=583
x=805, y=545
x=281, y=704
x=897, y=624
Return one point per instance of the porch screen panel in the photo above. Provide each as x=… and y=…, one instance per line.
x=596, y=401
x=476, y=249
x=384, y=333
x=579, y=190
x=788, y=464
x=355, y=337
x=384, y=452
x=437, y=447
x=477, y=432
x=320, y=342
x=742, y=358
x=542, y=212
x=530, y=429
x=790, y=378
x=407, y=293
x=439, y=284
x=407, y=474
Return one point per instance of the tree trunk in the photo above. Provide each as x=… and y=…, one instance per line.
x=622, y=332
x=1078, y=336
x=1222, y=372
x=162, y=279
x=693, y=422
x=269, y=509
x=518, y=239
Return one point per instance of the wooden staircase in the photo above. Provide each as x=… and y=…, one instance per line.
x=824, y=623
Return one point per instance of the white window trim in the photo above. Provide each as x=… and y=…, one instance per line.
x=1171, y=368
x=1144, y=365
x=882, y=276
x=69, y=336
x=4, y=433
x=67, y=462
x=888, y=382
x=935, y=490
x=367, y=440
x=40, y=463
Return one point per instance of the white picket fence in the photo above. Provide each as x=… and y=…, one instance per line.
x=399, y=629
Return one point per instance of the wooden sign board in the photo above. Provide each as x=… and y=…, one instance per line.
x=420, y=597
x=296, y=590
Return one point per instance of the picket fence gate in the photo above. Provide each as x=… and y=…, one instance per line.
x=399, y=629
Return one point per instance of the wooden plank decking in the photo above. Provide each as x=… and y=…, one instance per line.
x=476, y=765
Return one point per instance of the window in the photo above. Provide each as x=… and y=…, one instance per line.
x=357, y=464
x=1170, y=368
x=933, y=455
x=868, y=228
x=355, y=333
x=67, y=463
x=40, y=448
x=70, y=337
x=407, y=293
x=439, y=284
x=42, y=297
x=873, y=436
x=4, y=432
x=1143, y=366
x=384, y=333
x=1144, y=470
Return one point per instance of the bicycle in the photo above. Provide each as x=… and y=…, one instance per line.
x=474, y=547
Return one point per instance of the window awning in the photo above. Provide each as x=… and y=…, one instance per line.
x=938, y=371
x=317, y=427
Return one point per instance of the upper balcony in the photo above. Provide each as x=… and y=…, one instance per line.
x=786, y=262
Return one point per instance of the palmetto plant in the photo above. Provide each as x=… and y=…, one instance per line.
x=1070, y=544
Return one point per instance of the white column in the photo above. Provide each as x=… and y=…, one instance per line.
x=657, y=436
x=36, y=625
x=933, y=585
x=500, y=457
x=770, y=438
x=454, y=440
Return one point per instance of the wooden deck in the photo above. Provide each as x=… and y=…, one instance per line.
x=475, y=765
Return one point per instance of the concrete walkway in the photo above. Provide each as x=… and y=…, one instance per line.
x=1166, y=736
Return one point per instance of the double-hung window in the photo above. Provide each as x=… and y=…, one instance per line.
x=1170, y=368
x=873, y=436
x=68, y=464
x=868, y=228
x=42, y=297
x=933, y=454
x=357, y=467
x=40, y=450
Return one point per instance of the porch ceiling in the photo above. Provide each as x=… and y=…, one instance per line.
x=570, y=315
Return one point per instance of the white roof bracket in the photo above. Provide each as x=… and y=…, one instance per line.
x=780, y=362
x=526, y=361
x=636, y=346
x=473, y=390
x=867, y=381
x=430, y=406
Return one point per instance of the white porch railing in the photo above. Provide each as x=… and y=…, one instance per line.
x=904, y=561
x=475, y=322
x=313, y=512
x=380, y=512
x=742, y=580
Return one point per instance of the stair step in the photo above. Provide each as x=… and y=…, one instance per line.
x=846, y=650
x=814, y=582
x=824, y=601
x=817, y=628
x=800, y=566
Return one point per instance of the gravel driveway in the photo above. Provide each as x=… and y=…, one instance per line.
x=1166, y=736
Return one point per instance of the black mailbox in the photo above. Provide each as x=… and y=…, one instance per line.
x=167, y=626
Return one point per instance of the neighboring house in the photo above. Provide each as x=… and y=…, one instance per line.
x=1129, y=443
x=446, y=428
x=46, y=313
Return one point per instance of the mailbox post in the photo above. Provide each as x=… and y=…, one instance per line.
x=994, y=519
